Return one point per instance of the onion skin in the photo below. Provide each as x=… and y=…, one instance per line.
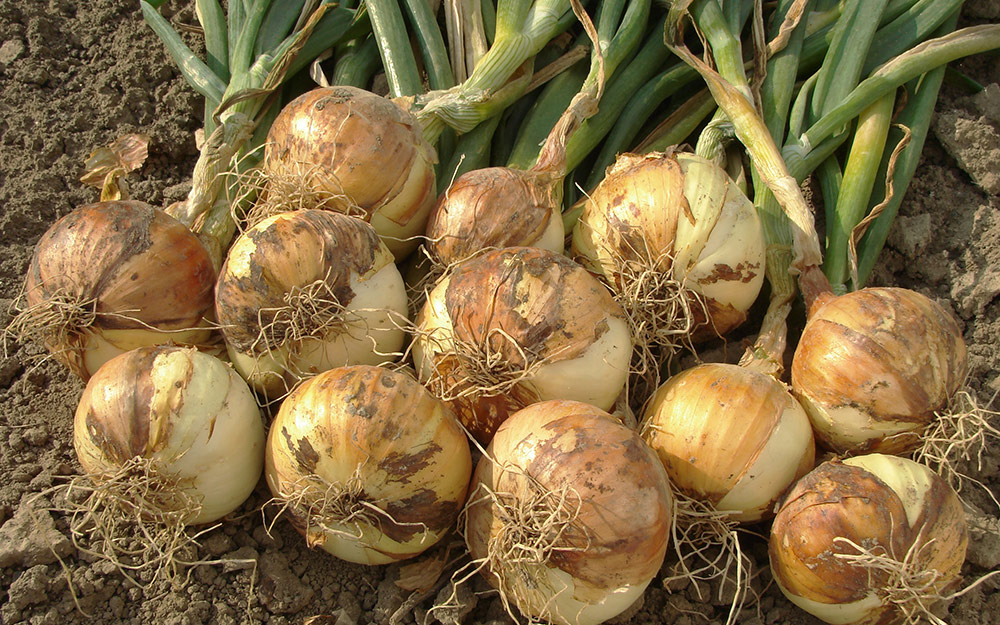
x=364, y=154
x=871, y=500
x=187, y=412
x=680, y=214
x=618, y=539
x=552, y=308
x=150, y=280
x=292, y=251
x=730, y=436
x=495, y=207
x=873, y=366
x=404, y=445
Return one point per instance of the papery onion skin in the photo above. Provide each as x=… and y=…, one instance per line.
x=403, y=444
x=873, y=366
x=683, y=213
x=364, y=154
x=529, y=306
x=608, y=554
x=873, y=500
x=187, y=412
x=287, y=253
x=148, y=278
x=495, y=207
x=730, y=436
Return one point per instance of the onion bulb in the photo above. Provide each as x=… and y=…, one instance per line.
x=873, y=366
x=177, y=427
x=729, y=436
x=677, y=241
x=513, y=326
x=349, y=150
x=493, y=208
x=368, y=464
x=306, y=291
x=569, y=513
x=113, y=276
x=871, y=539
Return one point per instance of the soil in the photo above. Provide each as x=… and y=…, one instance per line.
x=75, y=76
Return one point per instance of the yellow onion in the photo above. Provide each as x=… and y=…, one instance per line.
x=306, y=291
x=368, y=465
x=871, y=539
x=113, y=276
x=513, y=326
x=873, y=366
x=349, y=150
x=493, y=208
x=569, y=513
x=180, y=425
x=729, y=436
x=663, y=226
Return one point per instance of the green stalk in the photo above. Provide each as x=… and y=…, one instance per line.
x=856, y=188
x=358, y=64
x=909, y=28
x=677, y=127
x=435, y=54
x=394, y=47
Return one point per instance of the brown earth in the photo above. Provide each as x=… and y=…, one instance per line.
x=76, y=76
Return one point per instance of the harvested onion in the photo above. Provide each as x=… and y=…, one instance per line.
x=368, y=464
x=113, y=276
x=518, y=325
x=352, y=151
x=871, y=539
x=672, y=231
x=729, y=436
x=306, y=291
x=569, y=513
x=178, y=427
x=874, y=366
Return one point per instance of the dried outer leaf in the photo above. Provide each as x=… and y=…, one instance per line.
x=107, y=166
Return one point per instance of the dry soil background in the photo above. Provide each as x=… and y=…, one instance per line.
x=77, y=75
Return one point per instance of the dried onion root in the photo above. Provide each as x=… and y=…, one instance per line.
x=367, y=464
x=569, y=514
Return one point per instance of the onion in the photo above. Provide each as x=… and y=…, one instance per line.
x=173, y=433
x=731, y=437
x=873, y=366
x=113, y=276
x=306, y=291
x=871, y=539
x=569, y=513
x=496, y=207
x=677, y=241
x=518, y=325
x=368, y=464
x=349, y=150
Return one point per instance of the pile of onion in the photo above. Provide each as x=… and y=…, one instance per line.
x=113, y=276
x=349, y=150
x=569, y=513
x=513, y=326
x=367, y=464
x=870, y=539
x=306, y=291
x=873, y=368
x=677, y=241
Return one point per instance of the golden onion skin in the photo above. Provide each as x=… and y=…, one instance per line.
x=291, y=251
x=550, y=306
x=617, y=540
x=686, y=214
x=150, y=280
x=887, y=504
x=873, y=366
x=362, y=152
x=729, y=436
x=386, y=430
x=495, y=207
x=187, y=412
